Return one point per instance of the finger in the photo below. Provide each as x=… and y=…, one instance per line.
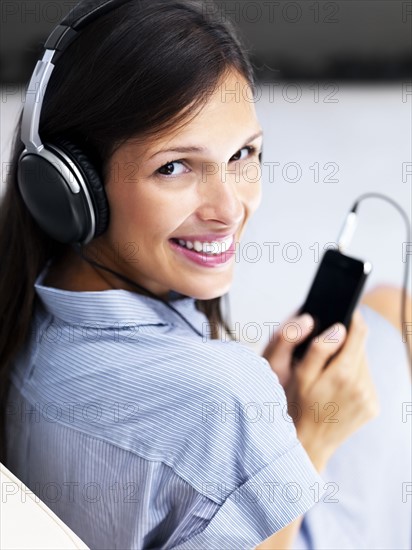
x=322, y=348
x=279, y=351
x=290, y=334
x=365, y=390
x=353, y=349
x=294, y=331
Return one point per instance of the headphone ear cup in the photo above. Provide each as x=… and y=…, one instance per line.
x=63, y=192
x=49, y=184
x=93, y=182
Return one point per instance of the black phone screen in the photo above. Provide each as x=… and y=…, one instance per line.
x=334, y=293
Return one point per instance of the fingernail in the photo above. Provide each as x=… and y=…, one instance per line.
x=334, y=333
x=306, y=320
x=341, y=331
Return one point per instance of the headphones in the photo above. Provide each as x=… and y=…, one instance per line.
x=59, y=185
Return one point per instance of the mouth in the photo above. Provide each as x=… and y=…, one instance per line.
x=207, y=247
x=207, y=254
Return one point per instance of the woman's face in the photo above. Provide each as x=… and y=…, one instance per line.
x=171, y=195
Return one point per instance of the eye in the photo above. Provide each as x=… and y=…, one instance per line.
x=249, y=151
x=169, y=169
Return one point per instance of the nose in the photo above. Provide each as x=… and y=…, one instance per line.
x=221, y=196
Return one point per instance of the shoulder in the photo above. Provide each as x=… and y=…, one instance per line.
x=210, y=410
x=215, y=369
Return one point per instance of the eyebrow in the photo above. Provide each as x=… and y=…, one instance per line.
x=197, y=149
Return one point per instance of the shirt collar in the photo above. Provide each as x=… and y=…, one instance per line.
x=109, y=307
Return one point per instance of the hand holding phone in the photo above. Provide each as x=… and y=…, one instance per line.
x=328, y=404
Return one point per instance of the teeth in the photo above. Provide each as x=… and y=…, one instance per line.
x=213, y=247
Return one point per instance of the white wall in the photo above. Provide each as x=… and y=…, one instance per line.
x=365, y=133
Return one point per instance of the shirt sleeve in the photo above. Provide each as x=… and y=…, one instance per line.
x=264, y=504
x=244, y=452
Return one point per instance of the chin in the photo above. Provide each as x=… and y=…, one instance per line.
x=208, y=292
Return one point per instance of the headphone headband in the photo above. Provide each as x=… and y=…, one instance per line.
x=78, y=17
x=60, y=38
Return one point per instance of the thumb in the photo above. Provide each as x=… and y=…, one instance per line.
x=289, y=335
x=293, y=331
x=320, y=351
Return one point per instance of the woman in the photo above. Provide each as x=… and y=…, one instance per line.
x=129, y=418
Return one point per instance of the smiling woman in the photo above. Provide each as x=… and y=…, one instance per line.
x=176, y=214
x=108, y=259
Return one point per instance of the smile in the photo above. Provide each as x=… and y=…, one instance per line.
x=207, y=254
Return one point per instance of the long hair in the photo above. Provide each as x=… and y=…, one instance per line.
x=136, y=72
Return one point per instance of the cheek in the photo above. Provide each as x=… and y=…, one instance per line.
x=146, y=210
x=258, y=197
x=252, y=195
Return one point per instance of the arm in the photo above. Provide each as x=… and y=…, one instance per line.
x=345, y=382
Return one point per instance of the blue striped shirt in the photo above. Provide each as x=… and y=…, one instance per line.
x=139, y=433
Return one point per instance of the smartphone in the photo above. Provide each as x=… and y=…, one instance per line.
x=334, y=294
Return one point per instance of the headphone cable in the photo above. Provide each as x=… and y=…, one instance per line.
x=78, y=249
x=346, y=236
